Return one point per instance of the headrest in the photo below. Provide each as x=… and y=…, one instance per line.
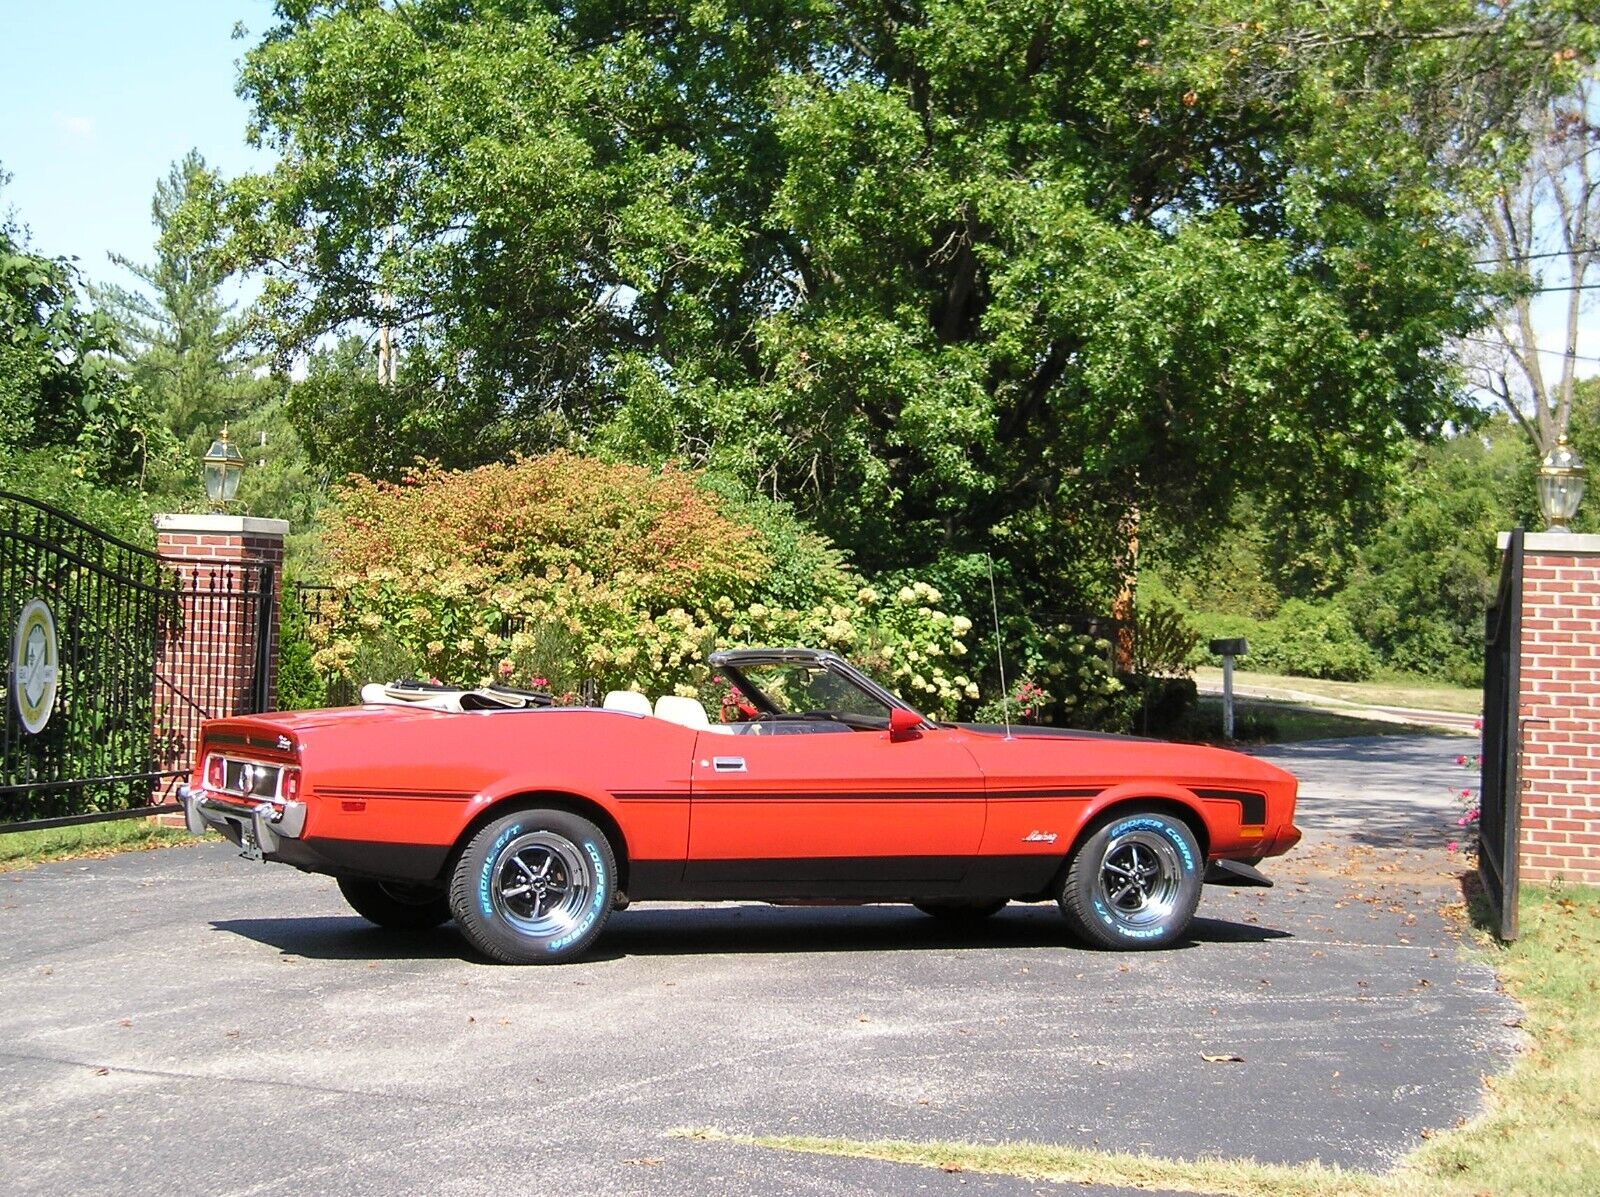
x=626, y=700
x=687, y=711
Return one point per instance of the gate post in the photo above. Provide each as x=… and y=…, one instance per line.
x=223, y=659
x=1558, y=705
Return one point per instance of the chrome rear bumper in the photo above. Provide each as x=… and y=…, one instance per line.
x=256, y=826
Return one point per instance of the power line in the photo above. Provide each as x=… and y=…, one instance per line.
x=1577, y=357
x=1515, y=258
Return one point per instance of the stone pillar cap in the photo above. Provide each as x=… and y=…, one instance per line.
x=232, y=525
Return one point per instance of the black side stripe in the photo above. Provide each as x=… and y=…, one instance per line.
x=1252, y=807
x=364, y=793
x=849, y=796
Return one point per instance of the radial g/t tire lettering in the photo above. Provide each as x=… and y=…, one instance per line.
x=1134, y=883
x=534, y=887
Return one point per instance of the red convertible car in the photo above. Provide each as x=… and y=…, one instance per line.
x=529, y=823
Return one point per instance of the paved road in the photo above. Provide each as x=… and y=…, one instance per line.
x=179, y=1021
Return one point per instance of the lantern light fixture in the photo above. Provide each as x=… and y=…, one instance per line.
x=1562, y=478
x=223, y=466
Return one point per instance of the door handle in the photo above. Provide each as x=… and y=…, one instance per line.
x=727, y=764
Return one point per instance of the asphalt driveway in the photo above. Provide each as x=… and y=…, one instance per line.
x=179, y=1021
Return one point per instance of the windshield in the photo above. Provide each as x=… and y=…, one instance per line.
x=781, y=688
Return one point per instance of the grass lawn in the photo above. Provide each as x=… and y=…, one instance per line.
x=1283, y=723
x=1392, y=690
x=23, y=849
x=1538, y=1137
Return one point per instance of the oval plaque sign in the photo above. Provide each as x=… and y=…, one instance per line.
x=35, y=665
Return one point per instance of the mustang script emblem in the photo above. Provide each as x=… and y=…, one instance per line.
x=1039, y=837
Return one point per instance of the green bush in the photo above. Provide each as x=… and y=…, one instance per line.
x=1211, y=626
x=300, y=686
x=1315, y=639
x=570, y=569
x=51, y=476
x=1076, y=671
x=1425, y=576
x=1163, y=641
x=1304, y=639
x=1163, y=702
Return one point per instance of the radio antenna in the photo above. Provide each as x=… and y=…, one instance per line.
x=999, y=648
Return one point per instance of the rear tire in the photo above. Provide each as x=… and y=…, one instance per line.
x=534, y=887
x=1134, y=884
x=963, y=912
x=395, y=905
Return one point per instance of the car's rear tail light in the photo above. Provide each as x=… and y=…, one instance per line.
x=214, y=775
x=289, y=785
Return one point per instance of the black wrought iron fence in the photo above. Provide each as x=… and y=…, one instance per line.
x=82, y=613
x=114, y=656
x=318, y=604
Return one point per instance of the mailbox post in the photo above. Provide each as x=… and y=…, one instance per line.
x=1228, y=650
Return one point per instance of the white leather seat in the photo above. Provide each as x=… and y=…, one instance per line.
x=686, y=711
x=627, y=700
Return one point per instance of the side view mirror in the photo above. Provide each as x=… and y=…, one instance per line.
x=904, y=724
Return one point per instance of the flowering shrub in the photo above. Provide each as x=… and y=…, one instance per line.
x=1067, y=681
x=1469, y=797
x=455, y=573
x=1027, y=703
x=1078, y=672
x=656, y=531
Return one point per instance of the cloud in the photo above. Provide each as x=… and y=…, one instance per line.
x=77, y=128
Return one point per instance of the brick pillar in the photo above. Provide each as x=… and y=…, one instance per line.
x=205, y=667
x=1559, y=705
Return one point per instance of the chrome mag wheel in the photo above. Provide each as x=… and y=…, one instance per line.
x=534, y=886
x=543, y=885
x=1134, y=882
x=1140, y=878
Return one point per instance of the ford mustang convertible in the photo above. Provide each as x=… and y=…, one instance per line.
x=529, y=823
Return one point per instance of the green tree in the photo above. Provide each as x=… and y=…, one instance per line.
x=1425, y=576
x=183, y=343
x=184, y=349
x=952, y=277
x=61, y=392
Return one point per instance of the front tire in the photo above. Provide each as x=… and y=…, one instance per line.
x=1134, y=884
x=394, y=905
x=534, y=887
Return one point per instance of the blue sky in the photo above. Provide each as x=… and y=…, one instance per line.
x=99, y=97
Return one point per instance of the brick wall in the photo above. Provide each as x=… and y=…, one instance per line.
x=1559, y=706
x=205, y=665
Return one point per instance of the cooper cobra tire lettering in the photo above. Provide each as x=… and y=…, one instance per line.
x=534, y=886
x=594, y=905
x=1134, y=882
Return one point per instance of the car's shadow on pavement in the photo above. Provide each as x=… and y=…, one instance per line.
x=742, y=929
